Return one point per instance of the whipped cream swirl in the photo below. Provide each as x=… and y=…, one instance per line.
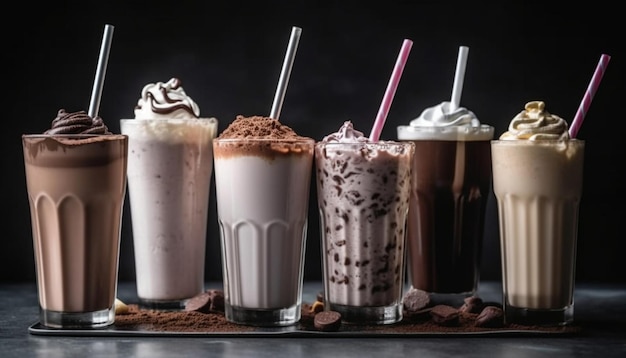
x=535, y=123
x=166, y=101
x=442, y=115
x=77, y=123
x=346, y=134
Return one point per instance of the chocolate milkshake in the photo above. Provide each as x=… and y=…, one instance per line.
x=262, y=178
x=449, y=191
x=170, y=164
x=537, y=180
x=76, y=182
x=363, y=197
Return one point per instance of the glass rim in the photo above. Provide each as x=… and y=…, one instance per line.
x=264, y=140
x=394, y=143
x=203, y=119
x=536, y=142
x=73, y=136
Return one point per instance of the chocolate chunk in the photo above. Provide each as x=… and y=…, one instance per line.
x=217, y=300
x=317, y=306
x=490, y=316
x=327, y=321
x=445, y=315
x=199, y=303
x=415, y=300
x=307, y=313
x=472, y=304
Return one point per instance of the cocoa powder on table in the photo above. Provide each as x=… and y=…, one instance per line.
x=137, y=319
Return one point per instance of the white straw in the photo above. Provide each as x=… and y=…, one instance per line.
x=457, y=88
x=279, y=97
x=96, y=93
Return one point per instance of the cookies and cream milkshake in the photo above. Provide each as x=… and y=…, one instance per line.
x=170, y=163
x=537, y=180
x=76, y=183
x=450, y=187
x=363, y=197
x=262, y=178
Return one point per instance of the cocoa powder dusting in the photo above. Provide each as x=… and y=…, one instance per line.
x=258, y=127
x=175, y=321
x=262, y=137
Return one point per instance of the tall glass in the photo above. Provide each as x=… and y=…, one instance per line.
x=76, y=186
x=538, y=186
x=170, y=163
x=450, y=187
x=363, y=192
x=262, y=189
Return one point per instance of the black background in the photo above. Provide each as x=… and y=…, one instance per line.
x=229, y=56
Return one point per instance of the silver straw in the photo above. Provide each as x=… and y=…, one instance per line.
x=279, y=97
x=96, y=93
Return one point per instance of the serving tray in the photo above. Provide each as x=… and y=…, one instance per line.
x=149, y=323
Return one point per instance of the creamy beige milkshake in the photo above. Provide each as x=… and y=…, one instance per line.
x=76, y=185
x=262, y=178
x=537, y=180
x=170, y=163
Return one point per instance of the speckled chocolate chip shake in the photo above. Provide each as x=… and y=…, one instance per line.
x=363, y=198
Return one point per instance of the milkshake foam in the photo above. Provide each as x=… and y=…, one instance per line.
x=450, y=187
x=538, y=171
x=262, y=176
x=76, y=188
x=363, y=199
x=169, y=175
x=76, y=183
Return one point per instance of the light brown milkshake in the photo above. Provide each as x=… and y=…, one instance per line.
x=76, y=186
x=537, y=180
x=76, y=183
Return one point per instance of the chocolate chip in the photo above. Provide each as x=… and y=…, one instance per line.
x=445, y=315
x=472, y=304
x=490, y=316
x=199, y=303
x=327, y=321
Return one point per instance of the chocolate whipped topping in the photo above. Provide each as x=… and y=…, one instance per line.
x=77, y=123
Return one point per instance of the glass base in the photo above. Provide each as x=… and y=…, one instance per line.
x=364, y=315
x=77, y=320
x=263, y=317
x=538, y=317
x=162, y=305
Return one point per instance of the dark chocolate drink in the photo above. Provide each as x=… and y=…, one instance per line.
x=449, y=191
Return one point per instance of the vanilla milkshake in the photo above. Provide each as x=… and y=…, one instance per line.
x=262, y=178
x=169, y=175
x=363, y=198
x=450, y=186
x=76, y=183
x=537, y=180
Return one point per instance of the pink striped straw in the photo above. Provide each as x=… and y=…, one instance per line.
x=591, y=91
x=383, y=111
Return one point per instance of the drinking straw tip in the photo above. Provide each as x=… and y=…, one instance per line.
x=383, y=111
x=285, y=73
x=583, y=108
x=96, y=92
